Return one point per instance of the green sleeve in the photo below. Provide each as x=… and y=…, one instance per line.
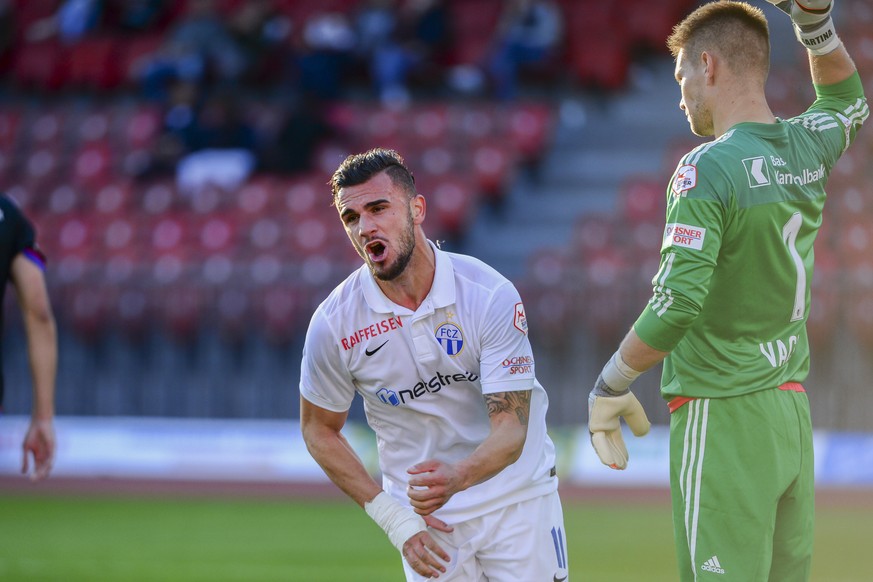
x=842, y=104
x=689, y=254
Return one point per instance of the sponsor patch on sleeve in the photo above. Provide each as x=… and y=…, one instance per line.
x=685, y=180
x=684, y=235
x=520, y=320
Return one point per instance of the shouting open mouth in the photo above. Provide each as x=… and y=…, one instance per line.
x=376, y=251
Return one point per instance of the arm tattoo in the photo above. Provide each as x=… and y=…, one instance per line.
x=517, y=402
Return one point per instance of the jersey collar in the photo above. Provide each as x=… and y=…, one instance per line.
x=442, y=293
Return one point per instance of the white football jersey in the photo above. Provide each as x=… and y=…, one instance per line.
x=423, y=374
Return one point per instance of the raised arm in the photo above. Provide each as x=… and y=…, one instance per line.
x=834, y=67
x=829, y=62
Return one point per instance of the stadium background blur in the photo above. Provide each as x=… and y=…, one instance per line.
x=174, y=155
x=180, y=193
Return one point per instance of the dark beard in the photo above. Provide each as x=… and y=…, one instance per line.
x=407, y=247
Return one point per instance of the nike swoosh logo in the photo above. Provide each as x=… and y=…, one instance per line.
x=556, y=579
x=371, y=352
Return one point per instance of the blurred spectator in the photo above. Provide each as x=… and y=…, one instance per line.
x=177, y=134
x=529, y=33
x=222, y=146
x=72, y=20
x=303, y=129
x=137, y=15
x=221, y=124
x=326, y=50
x=198, y=48
x=260, y=31
x=400, y=40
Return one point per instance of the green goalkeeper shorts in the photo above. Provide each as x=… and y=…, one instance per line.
x=741, y=478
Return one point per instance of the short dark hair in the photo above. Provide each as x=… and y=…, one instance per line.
x=736, y=30
x=358, y=168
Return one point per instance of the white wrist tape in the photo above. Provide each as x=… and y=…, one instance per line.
x=617, y=375
x=819, y=40
x=399, y=522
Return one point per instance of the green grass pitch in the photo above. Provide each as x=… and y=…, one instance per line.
x=63, y=538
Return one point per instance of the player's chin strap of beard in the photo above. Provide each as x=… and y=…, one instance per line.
x=813, y=24
x=396, y=520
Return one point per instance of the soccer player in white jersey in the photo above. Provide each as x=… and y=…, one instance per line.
x=731, y=297
x=436, y=345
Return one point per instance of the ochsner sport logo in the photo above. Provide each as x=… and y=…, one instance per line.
x=519, y=364
x=684, y=235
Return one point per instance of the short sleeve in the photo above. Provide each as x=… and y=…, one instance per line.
x=507, y=362
x=324, y=377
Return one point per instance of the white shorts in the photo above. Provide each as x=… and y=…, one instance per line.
x=521, y=543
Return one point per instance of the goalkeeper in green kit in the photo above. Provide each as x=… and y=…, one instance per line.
x=731, y=297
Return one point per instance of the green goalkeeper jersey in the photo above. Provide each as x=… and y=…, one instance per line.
x=731, y=296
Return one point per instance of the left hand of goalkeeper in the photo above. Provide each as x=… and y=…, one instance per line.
x=604, y=412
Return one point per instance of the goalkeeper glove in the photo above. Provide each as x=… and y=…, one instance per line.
x=610, y=400
x=812, y=23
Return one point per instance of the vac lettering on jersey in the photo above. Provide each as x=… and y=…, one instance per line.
x=805, y=177
x=435, y=384
x=778, y=353
x=371, y=331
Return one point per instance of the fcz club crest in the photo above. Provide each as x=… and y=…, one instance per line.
x=450, y=337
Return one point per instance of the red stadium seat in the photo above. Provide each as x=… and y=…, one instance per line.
x=860, y=317
x=45, y=129
x=429, y=124
x=280, y=311
x=92, y=63
x=474, y=22
x=529, y=129
x=601, y=62
x=451, y=204
x=233, y=313
x=641, y=199
x=92, y=165
x=180, y=310
x=133, y=54
x=217, y=233
x=593, y=233
x=472, y=123
x=493, y=162
x=648, y=25
x=436, y=161
x=39, y=66
x=137, y=127
x=606, y=296
x=87, y=306
x=42, y=168
x=93, y=126
x=10, y=128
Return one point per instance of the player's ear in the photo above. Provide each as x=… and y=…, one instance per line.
x=708, y=63
x=418, y=209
